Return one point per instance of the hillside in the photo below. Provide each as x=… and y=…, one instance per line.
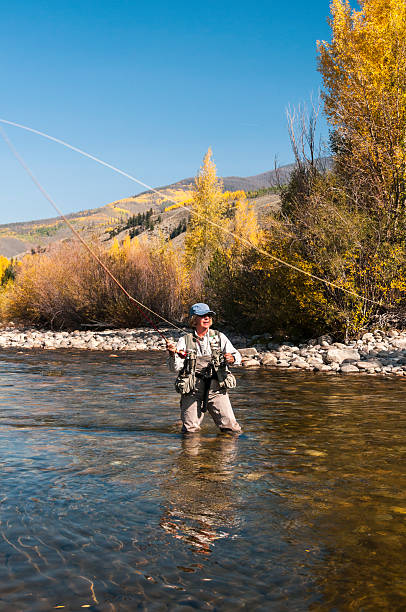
x=18, y=238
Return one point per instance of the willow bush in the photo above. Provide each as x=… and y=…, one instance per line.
x=66, y=287
x=256, y=294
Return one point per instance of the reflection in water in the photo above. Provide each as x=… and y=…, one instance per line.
x=104, y=504
x=200, y=491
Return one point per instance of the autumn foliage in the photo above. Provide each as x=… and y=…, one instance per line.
x=364, y=74
x=344, y=223
x=66, y=287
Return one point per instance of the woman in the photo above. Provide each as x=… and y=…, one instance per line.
x=202, y=358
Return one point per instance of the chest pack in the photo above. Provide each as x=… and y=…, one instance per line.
x=206, y=367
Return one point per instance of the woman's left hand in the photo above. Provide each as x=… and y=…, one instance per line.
x=229, y=358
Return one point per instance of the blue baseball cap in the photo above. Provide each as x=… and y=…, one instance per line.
x=200, y=310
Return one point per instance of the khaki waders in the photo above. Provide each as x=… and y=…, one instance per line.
x=216, y=399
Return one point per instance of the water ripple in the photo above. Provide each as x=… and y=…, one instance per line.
x=105, y=504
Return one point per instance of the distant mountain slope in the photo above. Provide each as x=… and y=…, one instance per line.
x=248, y=183
x=17, y=238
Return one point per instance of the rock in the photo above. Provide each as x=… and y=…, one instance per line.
x=314, y=362
x=381, y=347
x=283, y=364
x=322, y=367
x=393, y=333
x=348, y=369
x=368, y=337
x=269, y=359
x=300, y=363
x=370, y=364
x=284, y=356
x=325, y=340
x=337, y=355
x=250, y=363
x=399, y=343
x=248, y=352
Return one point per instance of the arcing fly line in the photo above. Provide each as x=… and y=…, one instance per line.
x=89, y=249
x=193, y=212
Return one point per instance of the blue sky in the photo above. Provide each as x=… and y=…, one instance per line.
x=148, y=88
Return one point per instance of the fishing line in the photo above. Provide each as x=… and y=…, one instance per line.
x=89, y=249
x=193, y=212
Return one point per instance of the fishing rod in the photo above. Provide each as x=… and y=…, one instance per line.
x=136, y=302
x=193, y=212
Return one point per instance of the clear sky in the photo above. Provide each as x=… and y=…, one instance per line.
x=148, y=87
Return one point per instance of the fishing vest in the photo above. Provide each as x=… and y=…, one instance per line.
x=209, y=367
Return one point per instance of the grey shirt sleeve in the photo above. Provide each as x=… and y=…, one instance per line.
x=175, y=362
x=227, y=347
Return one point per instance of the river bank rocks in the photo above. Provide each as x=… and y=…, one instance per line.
x=375, y=352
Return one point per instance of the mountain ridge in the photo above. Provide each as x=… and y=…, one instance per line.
x=20, y=237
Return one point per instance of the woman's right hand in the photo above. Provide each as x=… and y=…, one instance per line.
x=170, y=347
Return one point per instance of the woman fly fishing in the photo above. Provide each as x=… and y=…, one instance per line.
x=202, y=359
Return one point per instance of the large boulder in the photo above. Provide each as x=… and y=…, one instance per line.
x=248, y=352
x=339, y=355
x=250, y=363
x=269, y=359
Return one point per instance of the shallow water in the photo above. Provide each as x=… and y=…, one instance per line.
x=104, y=505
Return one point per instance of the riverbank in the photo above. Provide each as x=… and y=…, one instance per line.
x=377, y=352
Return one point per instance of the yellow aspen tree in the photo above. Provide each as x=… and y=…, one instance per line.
x=364, y=73
x=114, y=250
x=246, y=232
x=208, y=206
x=4, y=264
x=246, y=224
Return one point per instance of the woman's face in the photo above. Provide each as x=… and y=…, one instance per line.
x=204, y=322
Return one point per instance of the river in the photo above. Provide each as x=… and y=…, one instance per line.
x=104, y=505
